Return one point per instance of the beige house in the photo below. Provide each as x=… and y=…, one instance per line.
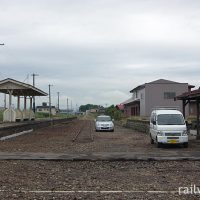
x=159, y=93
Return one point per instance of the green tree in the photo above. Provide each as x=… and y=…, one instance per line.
x=83, y=108
x=113, y=112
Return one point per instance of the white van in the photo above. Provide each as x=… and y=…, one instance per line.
x=167, y=126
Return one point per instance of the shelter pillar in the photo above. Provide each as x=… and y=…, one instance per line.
x=10, y=98
x=18, y=102
x=10, y=114
x=197, y=104
x=5, y=101
x=24, y=102
x=31, y=103
x=184, y=103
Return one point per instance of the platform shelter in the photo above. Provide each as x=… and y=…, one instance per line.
x=20, y=90
x=186, y=98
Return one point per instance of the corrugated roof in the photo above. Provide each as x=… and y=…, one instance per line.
x=195, y=94
x=19, y=88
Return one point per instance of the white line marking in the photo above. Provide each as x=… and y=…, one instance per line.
x=92, y=191
x=15, y=135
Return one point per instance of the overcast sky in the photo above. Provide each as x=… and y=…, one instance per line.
x=96, y=51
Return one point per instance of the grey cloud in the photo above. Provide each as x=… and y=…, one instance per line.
x=98, y=50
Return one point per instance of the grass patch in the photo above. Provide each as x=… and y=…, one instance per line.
x=89, y=116
x=191, y=119
x=40, y=115
x=1, y=116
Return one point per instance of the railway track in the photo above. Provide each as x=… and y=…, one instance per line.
x=83, y=131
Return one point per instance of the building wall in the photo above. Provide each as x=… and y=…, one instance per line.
x=46, y=110
x=132, y=109
x=142, y=102
x=154, y=96
x=193, y=108
x=127, y=111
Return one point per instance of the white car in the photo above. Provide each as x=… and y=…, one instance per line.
x=104, y=123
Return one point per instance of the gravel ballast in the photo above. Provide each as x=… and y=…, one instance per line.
x=97, y=180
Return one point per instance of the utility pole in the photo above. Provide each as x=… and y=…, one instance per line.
x=4, y=94
x=34, y=75
x=50, y=100
x=67, y=105
x=58, y=102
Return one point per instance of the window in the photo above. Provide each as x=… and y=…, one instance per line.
x=169, y=95
x=153, y=118
x=170, y=119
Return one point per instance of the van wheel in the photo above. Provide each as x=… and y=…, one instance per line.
x=185, y=145
x=158, y=144
x=152, y=141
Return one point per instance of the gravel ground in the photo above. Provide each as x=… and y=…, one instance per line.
x=87, y=180
x=58, y=139
x=51, y=180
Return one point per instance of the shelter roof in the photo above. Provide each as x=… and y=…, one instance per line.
x=19, y=88
x=192, y=95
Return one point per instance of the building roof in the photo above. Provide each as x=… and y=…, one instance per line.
x=45, y=107
x=19, y=88
x=128, y=101
x=131, y=101
x=163, y=81
x=159, y=81
x=120, y=106
x=192, y=95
